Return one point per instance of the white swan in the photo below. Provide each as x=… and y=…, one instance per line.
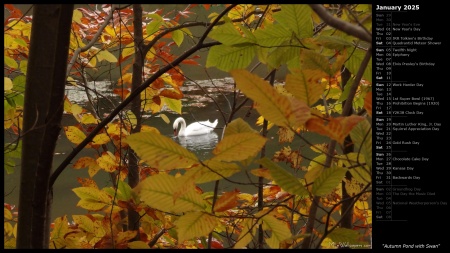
x=196, y=128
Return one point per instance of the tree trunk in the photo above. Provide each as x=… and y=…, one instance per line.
x=43, y=108
x=133, y=169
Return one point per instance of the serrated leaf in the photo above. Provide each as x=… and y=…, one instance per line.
x=195, y=224
x=92, y=199
x=354, y=62
x=304, y=84
x=328, y=180
x=335, y=128
x=310, y=59
x=74, y=135
x=284, y=179
x=215, y=170
x=227, y=58
x=276, y=108
x=227, y=201
x=279, y=229
x=228, y=35
x=238, y=147
x=157, y=191
x=238, y=126
x=361, y=136
x=296, y=17
x=273, y=35
x=160, y=151
x=84, y=222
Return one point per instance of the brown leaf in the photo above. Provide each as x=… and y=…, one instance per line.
x=335, y=128
x=227, y=201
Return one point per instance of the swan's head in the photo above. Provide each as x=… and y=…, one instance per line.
x=176, y=124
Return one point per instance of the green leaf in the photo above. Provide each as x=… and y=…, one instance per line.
x=345, y=236
x=313, y=60
x=328, y=180
x=173, y=104
x=238, y=126
x=227, y=58
x=296, y=17
x=333, y=42
x=238, y=147
x=124, y=190
x=195, y=224
x=7, y=84
x=304, y=84
x=215, y=170
x=273, y=106
x=160, y=151
x=284, y=179
x=283, y=55
x=178, y=37
x=19, y=83
x=355, y=61
x=158, y=191
x=153, y=26
x=279, y=229
x=361, y=136
x=228, y=35
x=272, y=36
x=10, y=62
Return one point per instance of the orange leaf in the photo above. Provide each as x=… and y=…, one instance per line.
x=171, y=94
x=190, y=62
x=227, y=201
x=87, y=182
x=121, y=92
x=368, y=103
x=262, y=172
x=335, y=128
x=83, y=162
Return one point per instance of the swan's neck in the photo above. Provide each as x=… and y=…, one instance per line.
x=182, y=128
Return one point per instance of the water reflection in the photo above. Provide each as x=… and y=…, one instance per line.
x=202, y=145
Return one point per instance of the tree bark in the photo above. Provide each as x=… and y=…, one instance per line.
x=43, y=108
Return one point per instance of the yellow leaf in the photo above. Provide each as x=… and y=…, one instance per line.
x=91, y=198
x=238, y=147
x=165, y=118
x=304, y=84
x=74, y=135
x=100, y=139
x=84, y=162
x=105, y=55
x=160, y=151
x=60, y=229
x=108, y=162
x=246, y=235
x=145, y=128
x=76, y=109
x=213, y=170
x=279, y=229
x=88, y=119
x=275, y=107
x=8, y=84
x=263, y=172
x=77, y=15
x=157, y=191
x=285, y=135
x=194, y=224
x=238, y=126
x=130, y=119
x=260, y=122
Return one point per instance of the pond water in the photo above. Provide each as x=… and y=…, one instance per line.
x=196, y=107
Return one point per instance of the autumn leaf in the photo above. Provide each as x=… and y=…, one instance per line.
x=157, y=191
x=335, y=128
x=227, y=201
x=92, y=199
x=195, y=224
x=328, y=180
x=74, y=135
x=100, y=139
x=108, y=162
x=160, y=151
x=279, y=229
x=305, y=84
x=275, y=107
x=238, y=146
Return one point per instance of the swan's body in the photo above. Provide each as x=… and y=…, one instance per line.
x=196, y=128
